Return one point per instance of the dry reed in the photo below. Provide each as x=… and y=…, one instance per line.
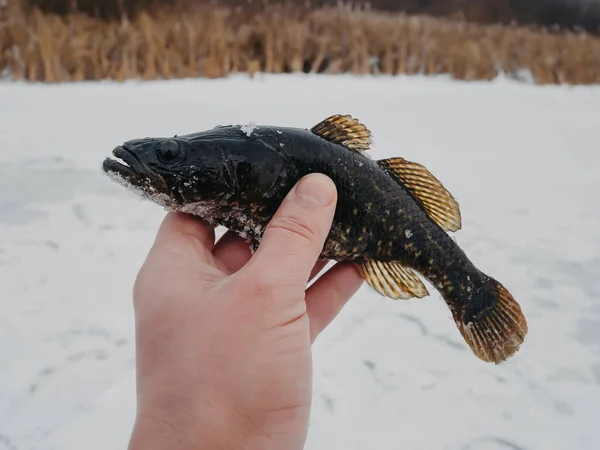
x=212, y=41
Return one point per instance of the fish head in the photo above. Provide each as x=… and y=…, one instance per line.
x=170, y=171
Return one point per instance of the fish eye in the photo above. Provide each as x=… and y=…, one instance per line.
x=168, y=150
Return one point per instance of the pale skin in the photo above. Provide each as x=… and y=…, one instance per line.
x=224, y=337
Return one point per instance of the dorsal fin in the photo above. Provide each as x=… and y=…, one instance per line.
x=344, y=130
x=392, y=279
x=436, y=200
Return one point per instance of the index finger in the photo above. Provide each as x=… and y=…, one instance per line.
x=186, y=234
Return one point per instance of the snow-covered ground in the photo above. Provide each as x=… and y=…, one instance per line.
x=523, y=161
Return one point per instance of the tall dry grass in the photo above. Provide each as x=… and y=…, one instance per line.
x=212, y=41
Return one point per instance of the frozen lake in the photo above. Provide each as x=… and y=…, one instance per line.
x=522, y=161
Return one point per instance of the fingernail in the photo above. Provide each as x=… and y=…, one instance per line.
x=316, y=188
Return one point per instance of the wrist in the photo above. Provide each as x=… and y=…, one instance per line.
x=206, y=430
x=153, y=433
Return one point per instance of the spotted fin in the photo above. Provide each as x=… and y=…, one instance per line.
x=344, y=130
x=439, y=204
x=392, y=279
x=491, y=322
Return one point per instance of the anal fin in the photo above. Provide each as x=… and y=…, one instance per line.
x=392, y=279
x=438, y=203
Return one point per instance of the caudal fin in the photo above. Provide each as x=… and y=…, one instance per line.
x=491, y=322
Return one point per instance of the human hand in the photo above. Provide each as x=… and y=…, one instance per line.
x=224, y=338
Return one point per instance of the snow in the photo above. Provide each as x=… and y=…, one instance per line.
x=522, y=161
x=248, y=128
x=148, y=191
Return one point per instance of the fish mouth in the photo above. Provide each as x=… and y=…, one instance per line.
x=129, y=167
x=132, y=170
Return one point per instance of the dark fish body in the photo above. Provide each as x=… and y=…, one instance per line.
x=375, y=216
x=392, y=216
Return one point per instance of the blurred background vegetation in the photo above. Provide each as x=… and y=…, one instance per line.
x=544, y=41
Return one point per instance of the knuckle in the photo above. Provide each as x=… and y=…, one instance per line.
x=261, y=286
x=294, y=227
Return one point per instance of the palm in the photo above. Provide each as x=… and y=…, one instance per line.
x=194, y=248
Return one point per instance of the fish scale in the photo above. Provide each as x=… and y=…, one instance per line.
x=392, y=216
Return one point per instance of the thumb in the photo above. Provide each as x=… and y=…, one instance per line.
x=294, y=238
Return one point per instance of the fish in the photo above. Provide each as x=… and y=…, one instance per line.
x=393, y=218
